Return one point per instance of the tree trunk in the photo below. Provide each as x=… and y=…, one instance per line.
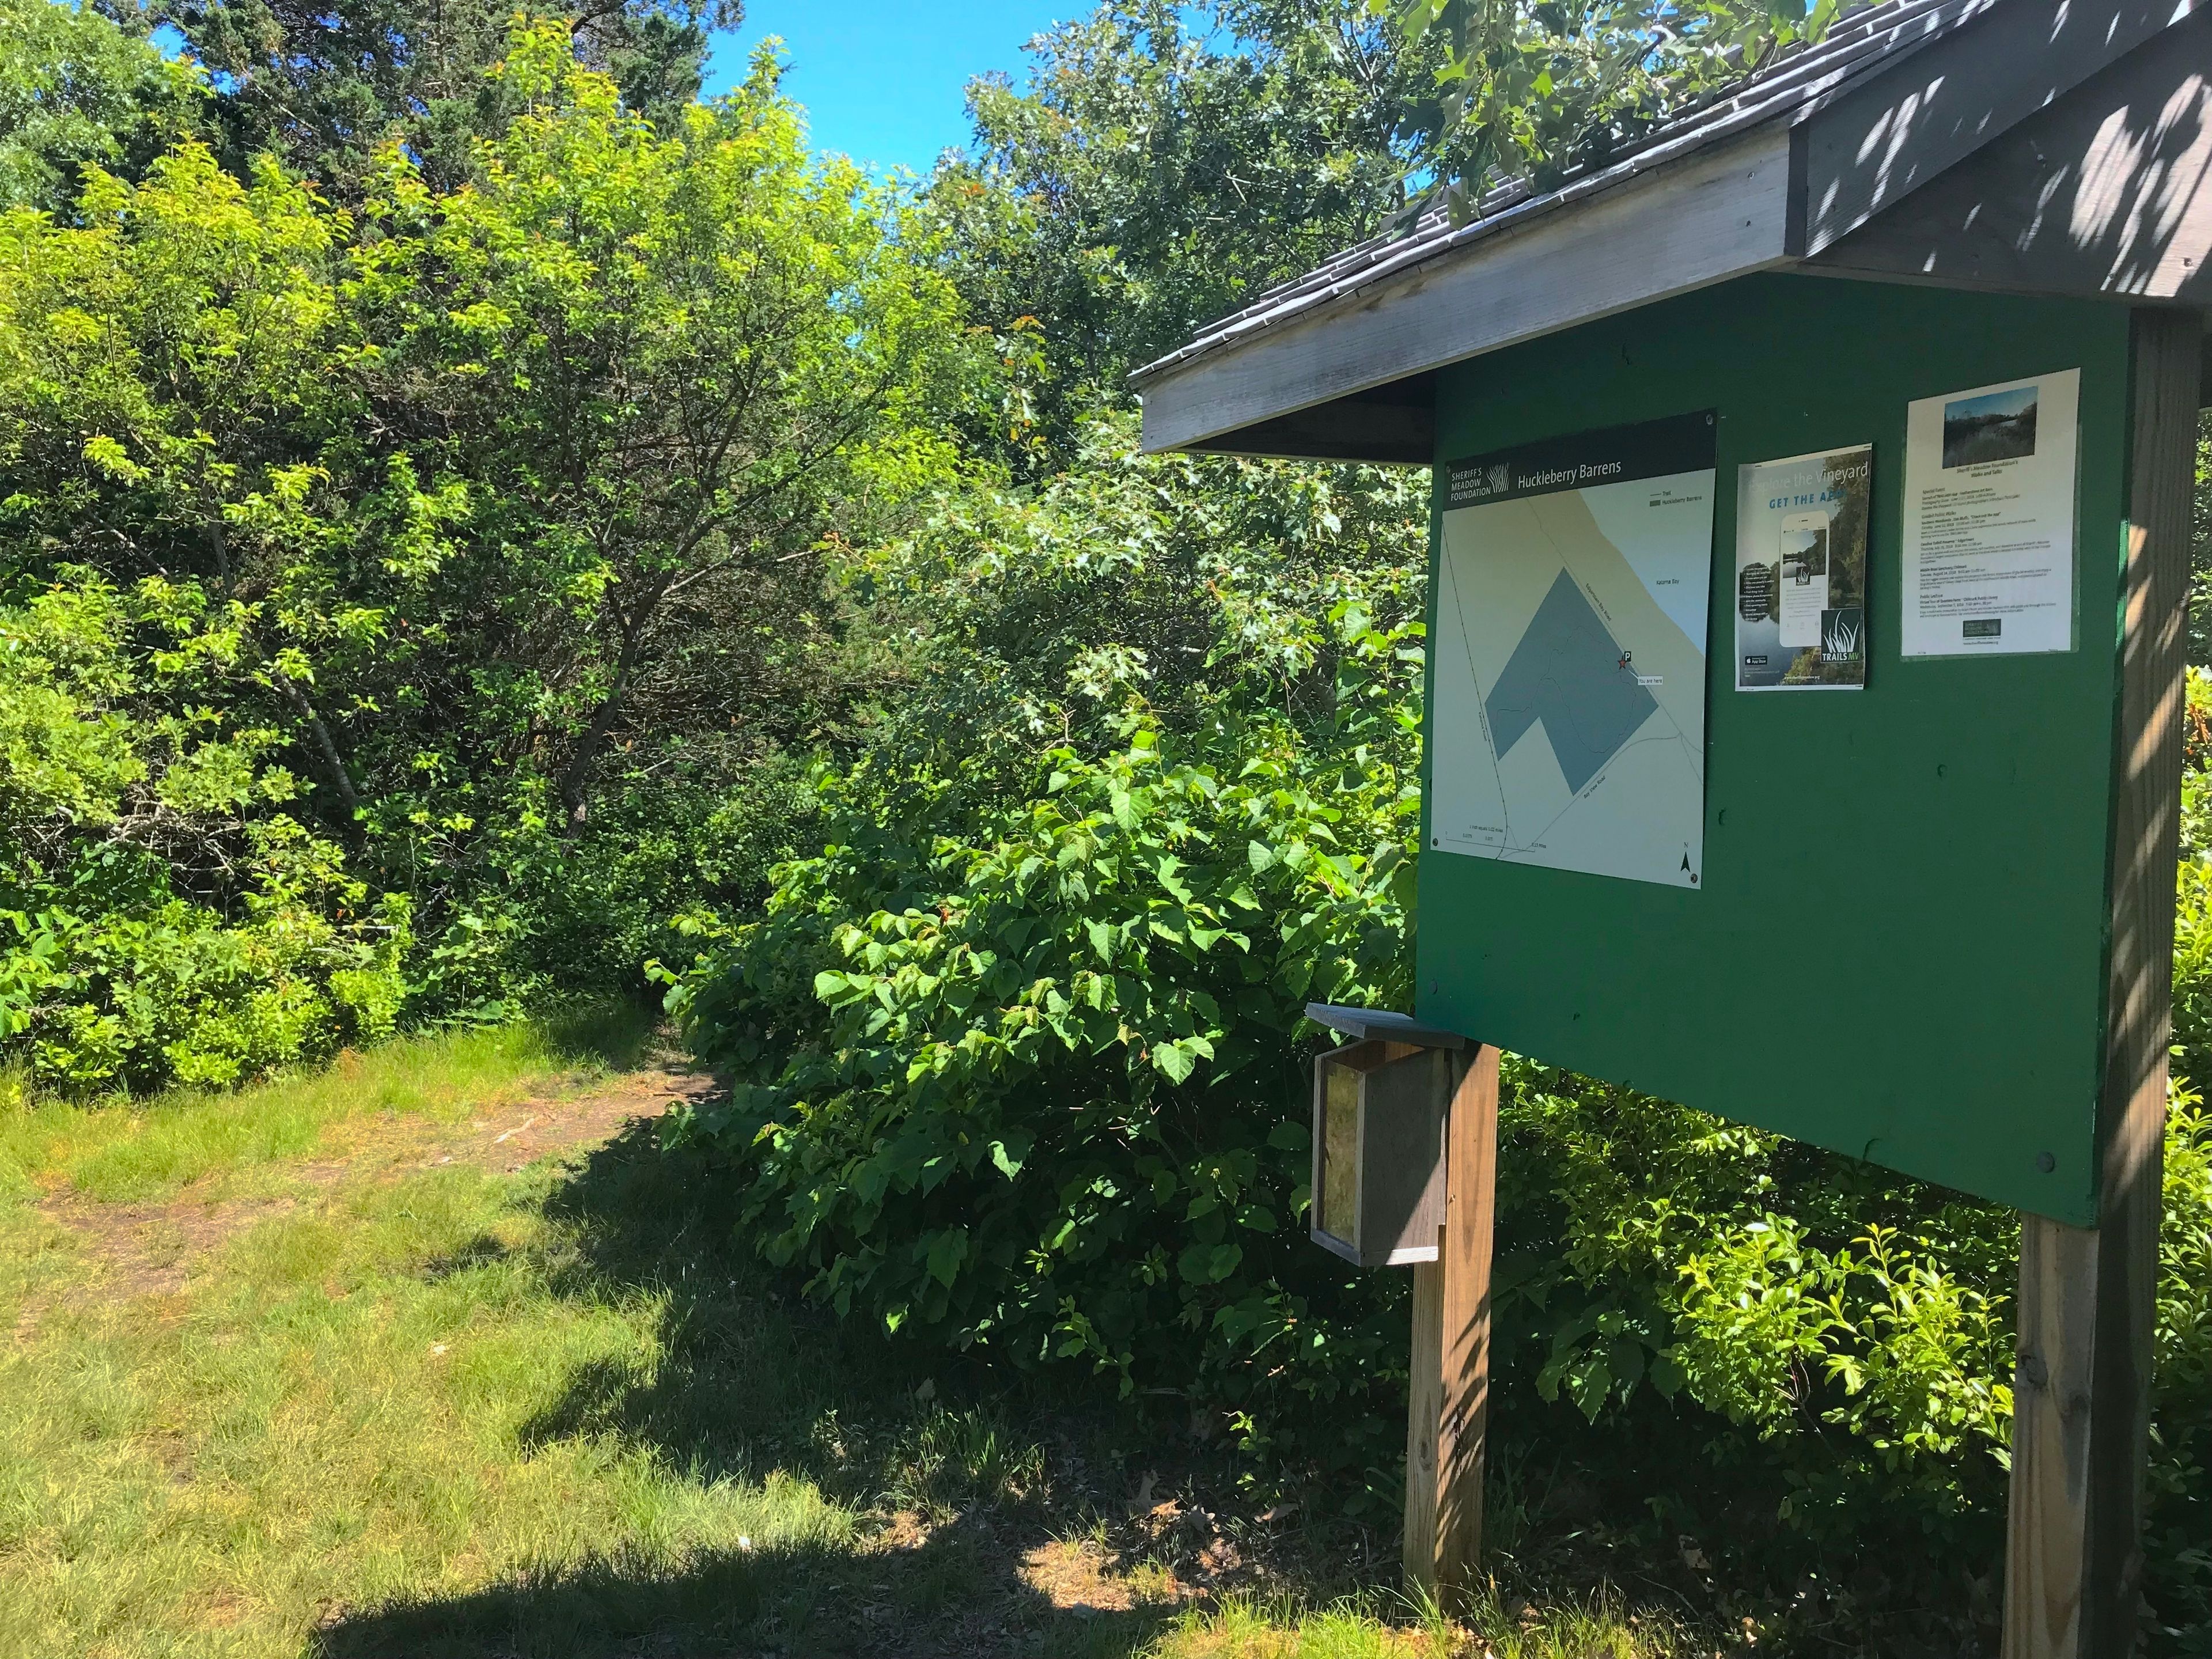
x=576, y=777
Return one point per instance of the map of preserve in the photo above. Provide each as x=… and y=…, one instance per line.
x=1566, y=674
x=1571, y=667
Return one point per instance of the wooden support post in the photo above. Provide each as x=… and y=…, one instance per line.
x=1470, y=1221
x=2089, y=1299
x=1449, y=1397
x=1425, y=1393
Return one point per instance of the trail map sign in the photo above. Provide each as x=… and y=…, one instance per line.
x=1570, y=653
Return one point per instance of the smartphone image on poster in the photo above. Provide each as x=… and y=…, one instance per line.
x=1804, y=578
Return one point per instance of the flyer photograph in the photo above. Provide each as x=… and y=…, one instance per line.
x=1989, y=520
x=1800, y=572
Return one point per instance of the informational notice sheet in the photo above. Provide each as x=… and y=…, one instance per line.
x=1989, y=520
x=1801, y=563
x=1569, y=720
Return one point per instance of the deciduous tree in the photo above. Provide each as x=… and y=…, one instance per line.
x=514, y=498
x=1161, y=165
x=325, y=83
x=77, y=87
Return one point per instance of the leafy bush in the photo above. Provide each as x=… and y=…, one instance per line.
x=2178, y=1534
x=1786, y=1291
x=1021, y=1047
x=490, y=527
x=1799, y=1358
x=163, y=918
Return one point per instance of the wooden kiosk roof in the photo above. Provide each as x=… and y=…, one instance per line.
x=2045, y=147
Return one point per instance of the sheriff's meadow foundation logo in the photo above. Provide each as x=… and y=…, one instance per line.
x=1480, y=481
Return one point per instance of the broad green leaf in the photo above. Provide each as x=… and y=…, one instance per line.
x=1175, y=1060
x=947, y=1249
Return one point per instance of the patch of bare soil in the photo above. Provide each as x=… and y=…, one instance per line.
x=1078, y=1575
x=550, y=1126
x=1076, y=1562
x=149, y=1249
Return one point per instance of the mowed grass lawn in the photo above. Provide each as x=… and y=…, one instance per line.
x=430, y=1356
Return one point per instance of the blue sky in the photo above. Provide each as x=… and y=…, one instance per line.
x=883, y=82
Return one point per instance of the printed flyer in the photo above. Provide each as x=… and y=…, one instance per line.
x=1800, y=572
x=1989, y=520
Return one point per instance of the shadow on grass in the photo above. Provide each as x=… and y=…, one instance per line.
x=821, y=1603
x=960, y=1491
x=746, y=1381
x=746, y=1387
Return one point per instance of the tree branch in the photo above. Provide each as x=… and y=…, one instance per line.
x=576, y=776
x=326, y=750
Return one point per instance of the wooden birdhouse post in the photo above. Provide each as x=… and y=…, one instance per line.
x=1405, y=1162
x=1808, y=592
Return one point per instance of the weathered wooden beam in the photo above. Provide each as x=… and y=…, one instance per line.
x=1356, y=428
x=2047, y=1563
x=1449, y=1400
x=1425, y=1397
x=2108, y=192
x=1470, y=1225
x=1715, y=214
x=2147, y=820
x=2089, y=1299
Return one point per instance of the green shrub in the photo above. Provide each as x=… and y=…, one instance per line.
x=489, y=517
x=2178, y=1536
x=1036, y=1090
x=162, y=919
x=1848, y=1324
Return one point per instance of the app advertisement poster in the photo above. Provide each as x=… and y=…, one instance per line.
x=1800, y=572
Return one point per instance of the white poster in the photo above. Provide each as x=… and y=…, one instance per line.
x=1989, y=520
x=1573, y=588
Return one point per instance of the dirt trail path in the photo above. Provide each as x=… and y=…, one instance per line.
x=564, y=1121
x=149, y=1249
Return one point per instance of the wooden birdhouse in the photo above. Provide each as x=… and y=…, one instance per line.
x=1379, y=1151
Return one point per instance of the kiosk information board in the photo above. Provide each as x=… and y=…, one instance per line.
x=1896, y=946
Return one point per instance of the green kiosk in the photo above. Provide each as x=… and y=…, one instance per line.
x=1808, y=594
